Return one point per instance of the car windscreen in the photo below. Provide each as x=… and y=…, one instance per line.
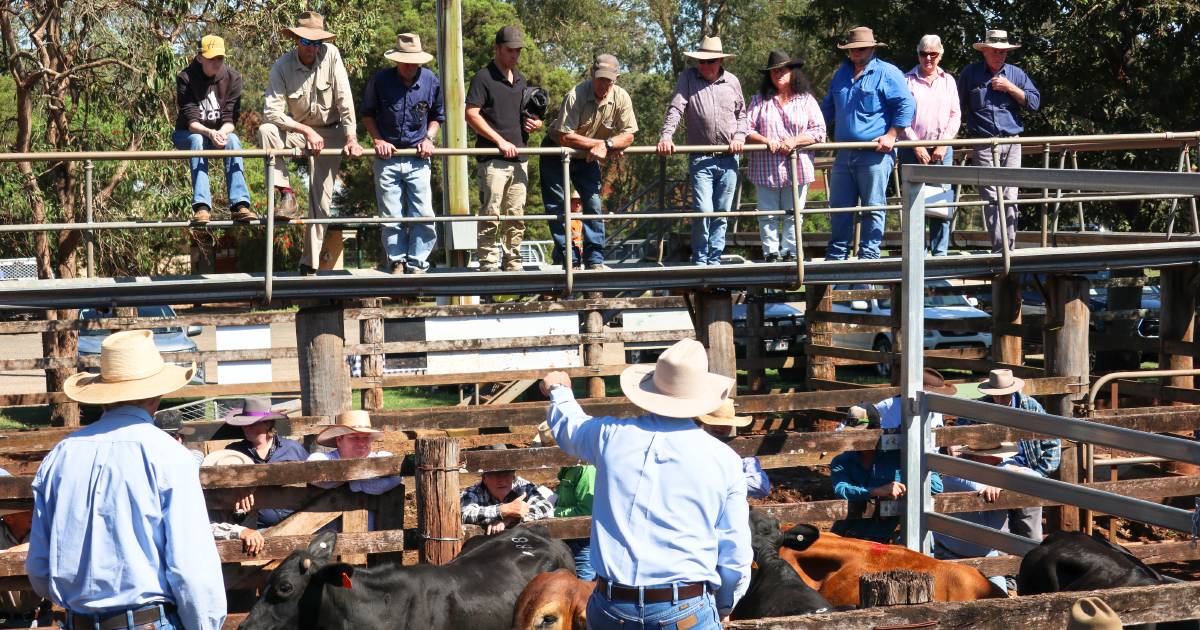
x=148, y=312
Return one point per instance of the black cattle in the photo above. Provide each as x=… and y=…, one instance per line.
x=776, y=590
x=477, y=590
x=1073, y=561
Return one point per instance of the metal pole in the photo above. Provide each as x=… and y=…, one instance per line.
x=569, y=250
x=1192, y=201
x=91, y=235
x=269, y=276
x=1183, y=160
x=917, y=501
x=1058, y=192
x=1002, y=217
x=1045, y=193
x=799, y=196
x=1078, y=205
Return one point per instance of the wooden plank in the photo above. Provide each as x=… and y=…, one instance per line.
x=1163, y=552
x=141, y=323
x=514, y=308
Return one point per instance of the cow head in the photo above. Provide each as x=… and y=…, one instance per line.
x=286, y=599
x=800, y=537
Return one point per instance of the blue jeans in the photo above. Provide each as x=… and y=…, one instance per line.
x=859, y=177
x=939, y=229
x=714, y=178
x=582, y=548
x=235, y=177
x=697, y=613
x=585, y=178
x=170, y=621
x=402, y=190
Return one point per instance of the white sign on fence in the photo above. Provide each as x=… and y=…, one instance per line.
x=244, y=338
x=498, y=327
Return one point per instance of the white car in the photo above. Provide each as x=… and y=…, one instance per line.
x=937, y=307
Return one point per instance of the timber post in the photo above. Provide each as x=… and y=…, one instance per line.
x=756, y=376
x=716, y=331
x=894, y=361
x=1006, y=320
x=1124, y=295
x=894, y=588
x=439, y=516
x=1066, y=354
x=818, y=298
x=324, y=375
x=1177, y=326
x=370, y=331
x=593, y=351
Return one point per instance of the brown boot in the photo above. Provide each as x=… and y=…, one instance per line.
x=242, y=213
x=285, y=205
x=201, y=215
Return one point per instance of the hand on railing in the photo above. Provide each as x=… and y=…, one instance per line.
x=666, y=147
x=352, y=148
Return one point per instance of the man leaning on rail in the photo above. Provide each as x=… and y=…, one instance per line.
x=308, y=105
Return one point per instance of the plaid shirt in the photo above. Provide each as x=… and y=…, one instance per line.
x=479, y=507
x=801, y=115
x=1040, y=456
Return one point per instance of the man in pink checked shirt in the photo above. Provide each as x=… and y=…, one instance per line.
x=938, y=117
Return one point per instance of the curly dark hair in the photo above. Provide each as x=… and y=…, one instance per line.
x=800, y=84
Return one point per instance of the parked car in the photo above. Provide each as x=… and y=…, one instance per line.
x=785, y=345
x=168, y=339
x=937, y=307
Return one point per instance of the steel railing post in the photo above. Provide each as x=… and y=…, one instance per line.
x=91, y=234
x=569, y=236
x=1045, y=193
x=269, y=274
x=916, y=475
x=799, y=197
x=1001, y=213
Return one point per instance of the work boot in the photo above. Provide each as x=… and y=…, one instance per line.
x=514, y=264
x=771, y=257
x=414, y=270
x=242, y=213
x=200, y=214
x=285, y=206
x=397, y=268
x=306, y=271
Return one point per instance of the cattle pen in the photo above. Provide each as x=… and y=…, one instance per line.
x=792, y=425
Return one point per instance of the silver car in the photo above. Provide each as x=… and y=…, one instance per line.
x=168, y=339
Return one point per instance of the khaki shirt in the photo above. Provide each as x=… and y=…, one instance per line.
x=318, y=96
x=602, y=120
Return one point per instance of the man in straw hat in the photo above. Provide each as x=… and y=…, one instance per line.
x=120, y=532
x=1038, y=456
x=596, y=117
x=262, y=444
x=402, y=109
x=709, y=100
x=868, y=101
x=993, y=93
x=501, y=499
x=723, y=425
x=670, y=522
x=308, y=105
x=354, y=438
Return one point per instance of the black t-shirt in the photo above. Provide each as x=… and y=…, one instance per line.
x=499, y=103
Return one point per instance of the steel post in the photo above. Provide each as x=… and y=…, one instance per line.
x=915, y=413
x=799, y=196
x=269, y=275
x=569, y=237
x=91, y=235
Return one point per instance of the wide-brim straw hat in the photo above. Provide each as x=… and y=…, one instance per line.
x=1002, y=450
x=253, y=410
x=310, y=25
x=679, y=385
x=725, y=416
x=130, y=369
x=995, y=39
x=226, y=457
x=408, y=50
x=353, y=421
x=1000, y=382
x=932, y=381
x=1093, y=613
x=710, y=48
x=861, y=37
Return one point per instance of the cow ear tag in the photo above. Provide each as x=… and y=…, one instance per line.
x=346, y=583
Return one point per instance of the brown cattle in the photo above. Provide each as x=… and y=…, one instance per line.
x=553, y=601
x=832, y=565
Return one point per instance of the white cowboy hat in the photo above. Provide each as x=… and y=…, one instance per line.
x=679, y=385
x=1092, y=613
x=353, y=421
x=710, y=48
x=253, y=410
x=724, y=416
x=1001, y=382
x=995, y=39
x=310, y=25
x=226, y=457
x=408, y=50
x=1001, y=450
x=130, y=369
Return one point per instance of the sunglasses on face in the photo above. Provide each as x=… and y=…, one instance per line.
x=309, y=42
x=930, y=54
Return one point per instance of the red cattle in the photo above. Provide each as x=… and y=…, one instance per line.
x=553, y=601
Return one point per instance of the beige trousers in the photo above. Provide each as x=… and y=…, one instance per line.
x=320, y=189
x=502, y=187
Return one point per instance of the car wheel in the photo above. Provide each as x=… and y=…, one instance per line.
x=883, y=344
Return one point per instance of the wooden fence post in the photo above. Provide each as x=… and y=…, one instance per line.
x=1177, y=323
x=1066, y=354
x=593, y=351
x=818, y=298
x=895, y=361
x=439, y=517
x=370, y=330
x=756, y=377
x=324, y=375
x=894, y=588
x=1006, y=320
x=716, y=331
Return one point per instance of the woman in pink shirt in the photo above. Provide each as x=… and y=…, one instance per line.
x=784, y=116
x=938, y=117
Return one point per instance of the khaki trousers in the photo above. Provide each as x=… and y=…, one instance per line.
x=322, y=175
x=502, y=187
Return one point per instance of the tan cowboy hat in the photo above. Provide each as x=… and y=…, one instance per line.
x=710, y=48
x=1092, y=613
x=253, y=410
x=995, y=39
x=724, y=416
x=1001, y=382
x=679, y=385
x=1001, y=450
x=861, y=37
x=933, y=382
x=408, y=50
x=226, y=457
x=310, y=25
x=130, y=369
x=353, y=421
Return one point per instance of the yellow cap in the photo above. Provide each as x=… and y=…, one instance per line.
x=212, y=46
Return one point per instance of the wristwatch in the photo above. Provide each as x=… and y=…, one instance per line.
x=608, y=144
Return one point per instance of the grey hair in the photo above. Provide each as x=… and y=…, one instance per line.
x=930, y=41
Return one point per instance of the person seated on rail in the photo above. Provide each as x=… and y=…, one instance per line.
x=354, y=438
x=723, y=425
x=501, y=499
x=262, y=445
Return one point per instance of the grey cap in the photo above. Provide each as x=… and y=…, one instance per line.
x=606, y=67
x=510, y=37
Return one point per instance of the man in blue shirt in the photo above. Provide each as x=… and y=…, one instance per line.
x=402, y=109
x=993, y=93
x=868, y=101
x=670, y=522
x=120, y=534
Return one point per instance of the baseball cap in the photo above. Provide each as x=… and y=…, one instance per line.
x=511, y=37
x=212, y=46
x=606, y=67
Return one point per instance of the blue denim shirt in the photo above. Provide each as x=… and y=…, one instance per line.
x=988, y=113
x=865, y=108
x=401, y=111
x=853, y=481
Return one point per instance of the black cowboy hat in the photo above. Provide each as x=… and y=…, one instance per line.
x=780, y=59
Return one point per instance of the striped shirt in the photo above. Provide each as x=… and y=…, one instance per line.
x=938, y=115
x=801, y=115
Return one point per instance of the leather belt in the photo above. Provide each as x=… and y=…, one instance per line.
x=651, y=595
x=118, y=620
